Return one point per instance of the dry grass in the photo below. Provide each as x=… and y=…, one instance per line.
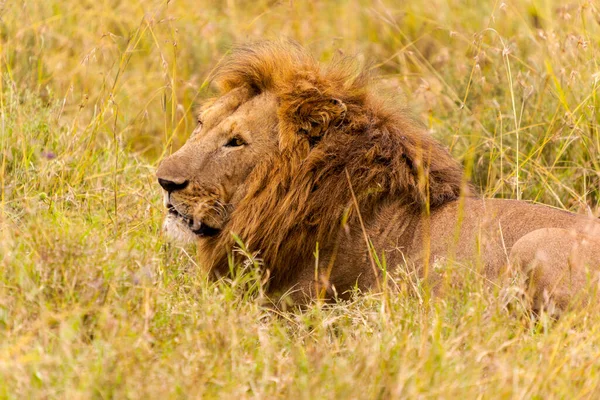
x=94, y=303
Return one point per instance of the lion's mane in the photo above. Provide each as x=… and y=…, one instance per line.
x=337, y=137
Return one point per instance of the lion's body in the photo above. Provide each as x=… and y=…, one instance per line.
x=307, y=166
x=485, y=234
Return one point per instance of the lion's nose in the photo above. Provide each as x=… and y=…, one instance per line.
x=172, y=185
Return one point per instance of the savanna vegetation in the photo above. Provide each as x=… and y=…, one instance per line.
x=96, y=303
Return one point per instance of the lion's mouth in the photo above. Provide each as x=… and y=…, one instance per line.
x=197, y=227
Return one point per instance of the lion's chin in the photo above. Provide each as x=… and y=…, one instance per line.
x=181, y=230
x=178, y=231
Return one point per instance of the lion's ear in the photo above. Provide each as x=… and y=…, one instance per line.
x=310, y=114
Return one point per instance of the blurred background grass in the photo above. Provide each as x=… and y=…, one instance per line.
x=93, y=303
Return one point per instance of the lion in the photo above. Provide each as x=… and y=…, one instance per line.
x=321, y=178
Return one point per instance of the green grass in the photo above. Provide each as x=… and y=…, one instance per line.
x=95, y=303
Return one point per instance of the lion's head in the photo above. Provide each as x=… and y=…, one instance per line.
x=205, y=178
x=286, y=150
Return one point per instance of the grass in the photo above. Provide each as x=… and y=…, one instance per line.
x=94, y=303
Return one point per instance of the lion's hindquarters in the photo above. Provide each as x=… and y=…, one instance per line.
x=560, y=264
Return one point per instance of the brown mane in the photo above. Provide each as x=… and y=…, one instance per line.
x=331, y=126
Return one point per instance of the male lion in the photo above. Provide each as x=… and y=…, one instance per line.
x=317, y=175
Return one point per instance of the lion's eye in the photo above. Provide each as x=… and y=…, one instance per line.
x=235, y=141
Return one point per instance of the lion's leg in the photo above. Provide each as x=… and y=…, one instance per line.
x=560, y=264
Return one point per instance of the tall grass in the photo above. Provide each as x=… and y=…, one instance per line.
x=95, y=303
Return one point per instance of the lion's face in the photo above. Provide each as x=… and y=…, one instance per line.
x=205, y=178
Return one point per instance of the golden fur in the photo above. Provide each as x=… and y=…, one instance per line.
x=317, y=146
